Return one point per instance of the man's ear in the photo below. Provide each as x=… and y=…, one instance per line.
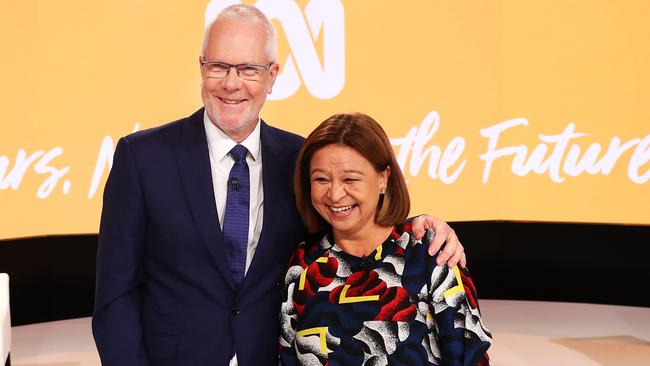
x=273, y=73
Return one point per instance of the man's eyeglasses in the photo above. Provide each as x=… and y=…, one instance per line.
x=219, y=70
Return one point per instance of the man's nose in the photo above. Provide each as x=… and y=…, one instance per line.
x=232, y=80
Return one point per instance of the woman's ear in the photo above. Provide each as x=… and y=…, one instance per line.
x=383, y=179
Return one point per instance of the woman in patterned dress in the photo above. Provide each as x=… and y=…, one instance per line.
x=363, y=290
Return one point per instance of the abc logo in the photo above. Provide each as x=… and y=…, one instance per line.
x=323, y=80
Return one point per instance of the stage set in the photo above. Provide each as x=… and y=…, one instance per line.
x=526, y=333
x=524, y=124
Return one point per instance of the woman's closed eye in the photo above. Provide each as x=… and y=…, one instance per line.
x=320, y=179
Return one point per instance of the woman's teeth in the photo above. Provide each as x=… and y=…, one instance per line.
x=341, y=209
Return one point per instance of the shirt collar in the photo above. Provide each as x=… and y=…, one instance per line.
x=220, y=144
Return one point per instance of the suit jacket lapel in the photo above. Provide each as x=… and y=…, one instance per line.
x=196, y=177
x=275, y=168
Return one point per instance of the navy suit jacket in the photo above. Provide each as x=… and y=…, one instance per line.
x=164, y=293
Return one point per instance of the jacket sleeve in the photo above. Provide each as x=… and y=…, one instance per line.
x=117, y=323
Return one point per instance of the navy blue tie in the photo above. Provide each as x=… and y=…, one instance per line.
x=235, y=221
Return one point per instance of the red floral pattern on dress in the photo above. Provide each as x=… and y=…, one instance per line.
x=361, y=284
x=318, y=275
x=470, y=289
x=396, y=306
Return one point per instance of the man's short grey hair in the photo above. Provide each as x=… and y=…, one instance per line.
x=251, y=14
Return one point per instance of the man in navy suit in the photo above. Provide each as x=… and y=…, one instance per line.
x=167, y=291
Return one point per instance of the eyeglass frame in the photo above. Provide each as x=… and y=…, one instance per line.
x=265, y=68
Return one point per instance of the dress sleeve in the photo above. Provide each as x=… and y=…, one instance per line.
x=456, y=328
x=288, y=312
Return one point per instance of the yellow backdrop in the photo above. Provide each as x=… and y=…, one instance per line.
x=524, y=110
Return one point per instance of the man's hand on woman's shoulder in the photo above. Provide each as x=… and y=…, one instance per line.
x=453, y=253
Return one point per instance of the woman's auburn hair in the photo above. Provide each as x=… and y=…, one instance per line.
x=363, y=134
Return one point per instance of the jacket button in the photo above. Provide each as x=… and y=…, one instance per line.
x=236, y=311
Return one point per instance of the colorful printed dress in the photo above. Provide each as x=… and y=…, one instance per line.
x=394, y=307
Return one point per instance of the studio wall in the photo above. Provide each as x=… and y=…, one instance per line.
x=497, y=110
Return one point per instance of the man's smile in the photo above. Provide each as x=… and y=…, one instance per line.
x=231, y=101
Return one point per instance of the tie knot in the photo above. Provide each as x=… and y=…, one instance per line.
x=239, y=152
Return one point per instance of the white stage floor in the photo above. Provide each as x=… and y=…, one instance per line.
x=526, y=333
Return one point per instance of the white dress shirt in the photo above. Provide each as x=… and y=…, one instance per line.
x=219, y=145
